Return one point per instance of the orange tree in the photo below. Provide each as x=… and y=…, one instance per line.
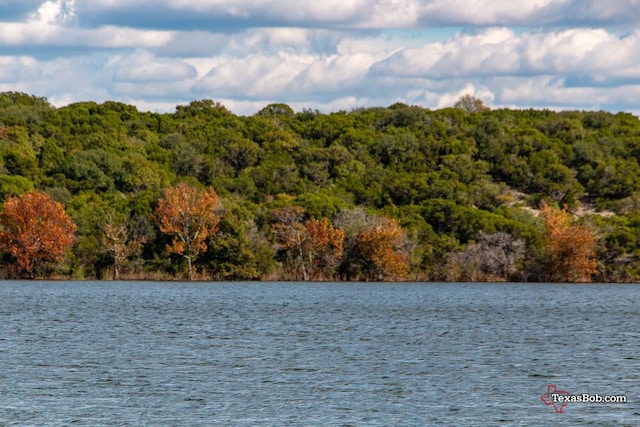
x=571, y=248
x=381, y=250
x=189, y=215
x=323, y=247
x=310, y=251
x=34, y=229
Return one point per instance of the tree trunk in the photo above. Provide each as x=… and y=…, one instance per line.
x=190, y=267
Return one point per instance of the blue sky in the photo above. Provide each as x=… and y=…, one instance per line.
x=327, y=54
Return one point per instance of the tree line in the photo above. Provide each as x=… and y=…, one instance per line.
x=398, y=193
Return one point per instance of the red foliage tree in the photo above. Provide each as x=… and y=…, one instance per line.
x=35, y=230
x=189, y=215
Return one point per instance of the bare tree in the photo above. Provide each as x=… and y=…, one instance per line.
x=470, y=104
x=121, y=241
x=493, y=256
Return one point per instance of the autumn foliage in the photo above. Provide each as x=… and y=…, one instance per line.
x=287, y=227
x=313, y=249
x=189, y=215
x=322, y=247
x=571, y=248
x=381, y=249
x=34, y=230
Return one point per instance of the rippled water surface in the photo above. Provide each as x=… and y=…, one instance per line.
x=294, y=354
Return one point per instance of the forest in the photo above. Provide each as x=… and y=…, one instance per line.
x=466, y=193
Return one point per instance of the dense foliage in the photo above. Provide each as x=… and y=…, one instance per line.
x=35, y=230
x=390, y=193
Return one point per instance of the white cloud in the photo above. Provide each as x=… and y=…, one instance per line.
x=287, y=10
x=136, y=75
x=55, y=12
x=268, y=39
x=255, y=76
x=532, y=13
x=549, y=92
x=14, y=69
x=334, y=74
x=486, y=12
x=502, y=52
x=581, y=51
x=143, y=67
x=393, y=13
x=331, y=53
x=489, y=52
x=266, y=10
x=36, y=34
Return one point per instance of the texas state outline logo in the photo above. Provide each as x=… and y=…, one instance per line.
x=552, y=398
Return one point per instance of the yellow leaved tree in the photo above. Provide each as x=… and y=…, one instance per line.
x=189, y=215
x=571, y=248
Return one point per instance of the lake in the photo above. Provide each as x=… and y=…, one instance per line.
x=315, y=354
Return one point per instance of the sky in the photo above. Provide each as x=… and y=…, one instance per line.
x=328, y=55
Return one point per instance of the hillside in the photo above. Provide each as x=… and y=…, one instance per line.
x=461, y=185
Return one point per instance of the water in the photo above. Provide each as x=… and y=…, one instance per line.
x=278, y=354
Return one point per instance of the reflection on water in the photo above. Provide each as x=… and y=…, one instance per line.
x=273, y=354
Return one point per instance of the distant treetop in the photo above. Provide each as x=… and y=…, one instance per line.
x=19, y=98
x=470, y=104
x=276, y=110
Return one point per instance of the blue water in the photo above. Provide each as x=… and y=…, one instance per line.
x=296, y=354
